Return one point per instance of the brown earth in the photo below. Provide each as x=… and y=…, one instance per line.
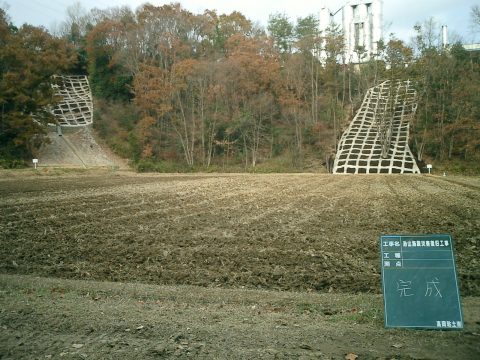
x=77, y=147
x=315, y=236
x=277, y=232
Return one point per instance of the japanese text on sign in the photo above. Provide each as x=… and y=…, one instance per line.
x=419, y=282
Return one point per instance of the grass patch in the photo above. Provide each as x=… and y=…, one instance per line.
x=455, y=167
x=359, y=309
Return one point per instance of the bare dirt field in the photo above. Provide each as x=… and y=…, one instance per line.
x=221, y=266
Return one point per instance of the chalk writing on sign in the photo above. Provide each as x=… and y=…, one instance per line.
x=419, y=280
x=404, y=287
x=433, y=285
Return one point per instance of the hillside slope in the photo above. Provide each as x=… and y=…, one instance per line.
x=77, y=147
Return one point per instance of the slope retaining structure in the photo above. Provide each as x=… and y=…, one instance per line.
x=76, y=147
x=376, y=141
x=75, y=107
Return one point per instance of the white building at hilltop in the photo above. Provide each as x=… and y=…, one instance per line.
x=362, y=28
x=361, y=25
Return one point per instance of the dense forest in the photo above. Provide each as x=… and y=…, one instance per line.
x=178, y=91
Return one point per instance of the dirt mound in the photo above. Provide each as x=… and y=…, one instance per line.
x=76, y=147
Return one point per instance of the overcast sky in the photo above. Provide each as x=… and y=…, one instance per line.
x=399, y=15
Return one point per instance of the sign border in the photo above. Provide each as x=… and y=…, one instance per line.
x=385, y=317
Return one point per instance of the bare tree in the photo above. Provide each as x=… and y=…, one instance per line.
x=475, y=19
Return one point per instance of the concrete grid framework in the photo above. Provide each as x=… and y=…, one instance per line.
x=377, y=139
x=76, y=107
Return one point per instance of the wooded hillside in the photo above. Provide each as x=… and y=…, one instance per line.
x=176, y=90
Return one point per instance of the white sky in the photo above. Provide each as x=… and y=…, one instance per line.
x=399, y=15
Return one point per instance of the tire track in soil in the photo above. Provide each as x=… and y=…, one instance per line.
x=456, y=182
x=181, y=211
x=255, y=253
x=458, y=198
x=357, y=235
x=297, y=223
x=410, y=202
x=302, y=245
x=227, y=215
x=272, y=203
x=122, y=185
x=86, y=182
x=71, y=202
x=284, y=212
x=306, y=256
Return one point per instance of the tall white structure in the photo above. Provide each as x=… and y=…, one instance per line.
x=325, y=19
x=362, y=28
x=444, y=36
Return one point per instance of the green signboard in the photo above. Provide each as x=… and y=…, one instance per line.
x=420, y=287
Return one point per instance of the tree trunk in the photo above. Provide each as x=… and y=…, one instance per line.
x=184, y=137
x=245, y=149
x=298, y=137
x=450, y=148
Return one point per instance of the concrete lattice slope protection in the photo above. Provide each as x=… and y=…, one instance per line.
x=76, y=107
x=377, y=139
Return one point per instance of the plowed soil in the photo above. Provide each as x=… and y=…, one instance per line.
x=302, y=233
x=282, y=232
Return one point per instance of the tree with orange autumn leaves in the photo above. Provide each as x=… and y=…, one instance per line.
x=29, y=56
x=222, y=87
x=214, y=89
